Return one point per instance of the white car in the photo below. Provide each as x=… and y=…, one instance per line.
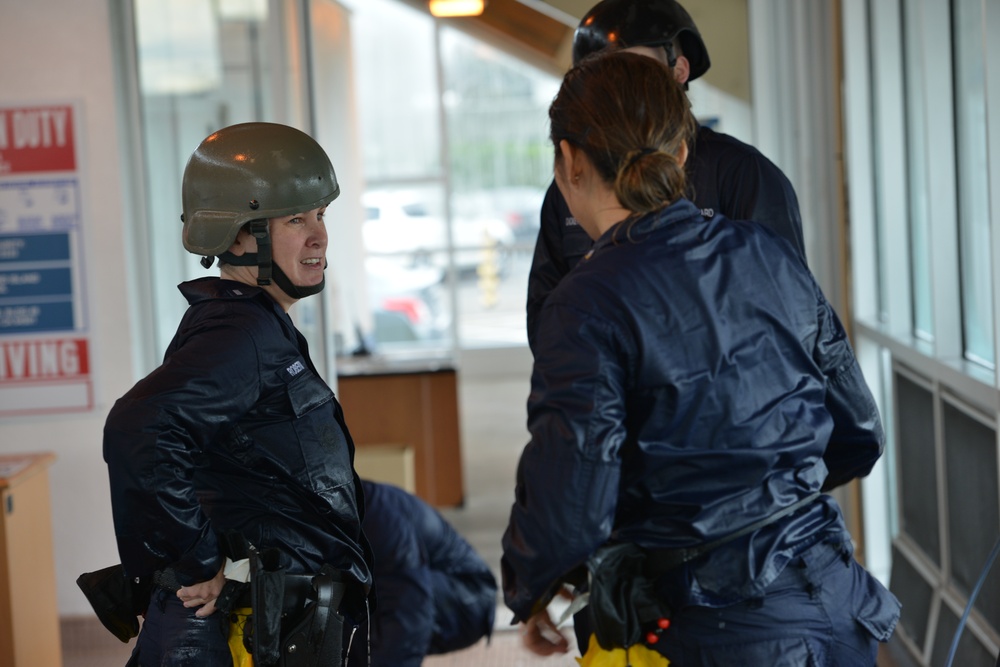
x=408, y=304
x=518, y=206
x=399, y=224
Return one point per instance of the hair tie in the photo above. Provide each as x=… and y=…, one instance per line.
x=641, y=154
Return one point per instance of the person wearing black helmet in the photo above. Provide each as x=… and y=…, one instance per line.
x=231, y=468
x=725, y=175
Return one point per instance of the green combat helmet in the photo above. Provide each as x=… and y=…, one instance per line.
x=248, y=173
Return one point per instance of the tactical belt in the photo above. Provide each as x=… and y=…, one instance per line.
x=297, y=592
x=310, y=603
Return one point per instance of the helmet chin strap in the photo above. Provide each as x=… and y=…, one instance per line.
x=281, y=279
x=260, y=232
x=266, y=268
x=261, y=258
x=296, y=291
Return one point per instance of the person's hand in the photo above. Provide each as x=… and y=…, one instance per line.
x=541, y=636
x=203, y=594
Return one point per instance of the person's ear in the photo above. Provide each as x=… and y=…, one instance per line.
x=682, y=70
x=243, y=242
x=570, y=159
x=682, y=153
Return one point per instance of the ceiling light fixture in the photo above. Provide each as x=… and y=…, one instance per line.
x=457, y=7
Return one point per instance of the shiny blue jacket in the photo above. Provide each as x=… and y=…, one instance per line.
x=235, y=430
x=435, y=593
x=690, y=379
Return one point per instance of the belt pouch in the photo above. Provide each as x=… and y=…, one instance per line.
x=316, y=639
x=623, y=601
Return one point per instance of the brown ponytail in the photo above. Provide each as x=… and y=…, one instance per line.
x=649, y=181
x=632, y=118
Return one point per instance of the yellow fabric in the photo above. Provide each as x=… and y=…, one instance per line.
x=237, y=622
x=636, y=655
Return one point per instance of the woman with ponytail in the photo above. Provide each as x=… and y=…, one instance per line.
x=693, y=397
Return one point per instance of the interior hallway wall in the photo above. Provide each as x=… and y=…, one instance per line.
x=61, y=51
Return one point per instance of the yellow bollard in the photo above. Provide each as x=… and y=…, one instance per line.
x=488, y=272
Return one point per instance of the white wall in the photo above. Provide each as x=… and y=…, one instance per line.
x=60, y=51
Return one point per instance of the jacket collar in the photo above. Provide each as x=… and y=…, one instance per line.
x=682, y=209
x=210, y=287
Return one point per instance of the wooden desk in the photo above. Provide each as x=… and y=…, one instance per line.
x=29, y=614
x=413, y=404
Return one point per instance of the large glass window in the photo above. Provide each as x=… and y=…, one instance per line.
x=397, y=87
x=973, y=181
x=456, y=159
x=500, y=161
x=404, y=226
x=950, y=423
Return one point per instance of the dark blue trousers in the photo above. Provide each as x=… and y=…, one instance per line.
x=172, y=636
x=823, y=610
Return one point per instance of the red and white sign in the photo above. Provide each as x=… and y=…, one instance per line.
x=39, y=360
x=45, y=365
x=39, y=375
x=36, y=139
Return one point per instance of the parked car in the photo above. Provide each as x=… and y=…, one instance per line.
x=518, y=206
x=408, y=303
x=400, y=224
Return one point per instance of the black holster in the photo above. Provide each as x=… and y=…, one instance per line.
x=295, y=620
x=267, y=595
x=316, y=638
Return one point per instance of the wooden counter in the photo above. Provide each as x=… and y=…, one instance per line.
x=413, y=404
x=29, y=614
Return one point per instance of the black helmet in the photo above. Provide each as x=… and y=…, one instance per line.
x=249, y=172
x=628, y=23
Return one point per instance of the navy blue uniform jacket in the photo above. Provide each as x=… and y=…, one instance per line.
x=725, y=176
x=689, y=380
x=235, y=430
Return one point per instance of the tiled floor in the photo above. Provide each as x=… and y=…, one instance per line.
x=493, y=434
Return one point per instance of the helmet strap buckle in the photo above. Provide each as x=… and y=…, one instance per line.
x=258, y=228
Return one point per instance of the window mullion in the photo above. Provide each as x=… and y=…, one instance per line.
x=991, y=27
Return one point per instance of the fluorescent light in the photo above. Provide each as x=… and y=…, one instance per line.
x=243, y=10
x=457, y=7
